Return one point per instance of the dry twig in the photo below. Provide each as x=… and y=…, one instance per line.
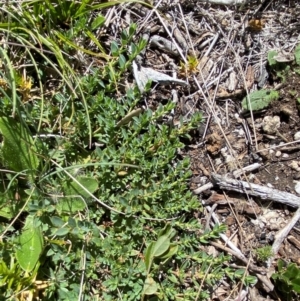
x=260, y=191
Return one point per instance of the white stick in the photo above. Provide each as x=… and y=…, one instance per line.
x=256, y=190
x=283, y=233
x=225, y=2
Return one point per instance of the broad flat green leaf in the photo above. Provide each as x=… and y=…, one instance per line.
x=18, y=150
x=150, y=286
x=168, y=231
x=170, y=252
x=30, y=246
x=75, y=195
x=160, y=246
x=149, y=256
x=259, y=99
x=292, y=271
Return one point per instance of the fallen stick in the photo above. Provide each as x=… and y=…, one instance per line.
x=225, y=2
x=237, y=173
x=203, y=188
x=283, y=233
x=260, y=191
x=242, y=258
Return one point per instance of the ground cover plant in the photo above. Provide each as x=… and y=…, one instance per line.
x=94, y=201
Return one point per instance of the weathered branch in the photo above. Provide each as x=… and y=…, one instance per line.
x=225, y=2
x=260, y=191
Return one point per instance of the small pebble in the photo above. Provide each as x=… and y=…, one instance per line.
x=294, y=165
x=297, y=187
x=218, y=161
x=287, y=111
x=285, y=155
x=278, y=154
x=271, y=124
x=297, y=136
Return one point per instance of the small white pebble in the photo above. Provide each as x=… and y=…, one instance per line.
x=271, y=124
x=278, y=154
x=218, y=161
x=285, y=155
x=294, y=165
x=297, y=136
x=297, y=187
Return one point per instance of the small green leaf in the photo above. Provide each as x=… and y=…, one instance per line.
x=170, y=252
x=72, y=222
x=292, y=271
x=297, y=54
x=296, y=285
x=281, y=265
x=114, y=48
x=132, y=29
x=150, y=286
x=124, y=37
x=30, y=245
x=160, y=246
x=173, y=279
x=149, y=256
x=98, y=22
x=167, y=231
x=62, y=232
x=56, y=221
x=271, y=60
x=122, y=61
x=259, y=99
x=250, y=280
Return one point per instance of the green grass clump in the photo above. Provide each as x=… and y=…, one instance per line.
x=264, y=253
x=94, y=200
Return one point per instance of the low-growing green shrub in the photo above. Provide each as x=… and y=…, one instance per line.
x=94, y=198
x=287, y=279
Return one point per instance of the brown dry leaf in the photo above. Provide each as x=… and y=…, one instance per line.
x=256, y=24
x=250, y=76
x=214, y=143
